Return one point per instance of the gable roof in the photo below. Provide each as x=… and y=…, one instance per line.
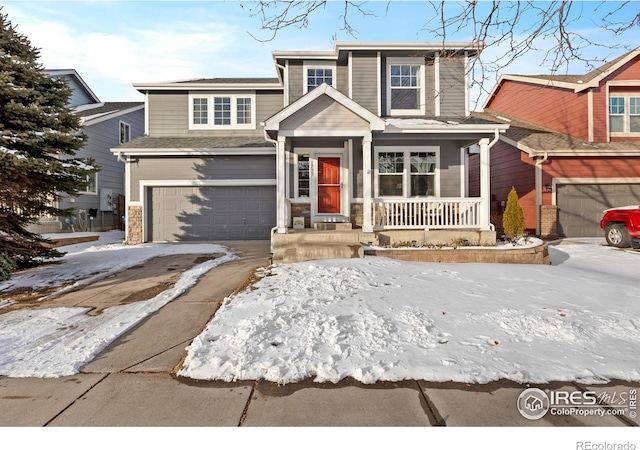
x=73, y=74
x=107, y=110
x=375, y=122
x=536, y=140
x=577, y=83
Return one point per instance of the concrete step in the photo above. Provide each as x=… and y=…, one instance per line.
x=332, y=226
x=326, y=250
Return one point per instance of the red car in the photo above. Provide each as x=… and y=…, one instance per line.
x=622, y=226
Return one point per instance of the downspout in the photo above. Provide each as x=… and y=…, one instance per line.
x=273, y=230
x=496, y=136
x=538, y=182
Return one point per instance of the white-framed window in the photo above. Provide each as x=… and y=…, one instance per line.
x=315, y=73
x=210, y=111
x=624, y=114
x=407, y=172
x=405, y=86
x=124, y=132
x=303, y=175
x=92, y=183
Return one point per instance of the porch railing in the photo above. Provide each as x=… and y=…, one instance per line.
x=437, y=213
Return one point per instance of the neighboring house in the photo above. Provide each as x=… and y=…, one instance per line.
x=374, y=136
x=106, y=124
x=572, y=148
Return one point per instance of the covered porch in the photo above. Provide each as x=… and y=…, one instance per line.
x=338, y=163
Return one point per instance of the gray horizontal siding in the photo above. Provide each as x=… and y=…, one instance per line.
x=79, y=96
x=324, y=113
x=364, y=83
x=169, y=114
x=103, y=136
x=296, y=81
x=342, y=79
x=241, y=167
x=452, y=87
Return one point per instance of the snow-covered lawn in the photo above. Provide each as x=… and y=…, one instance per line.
x=370, y=319
x=381, y=319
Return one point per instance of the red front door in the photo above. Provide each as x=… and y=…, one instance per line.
x=329, y=185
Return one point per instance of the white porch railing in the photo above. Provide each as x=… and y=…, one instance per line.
x=437, y=213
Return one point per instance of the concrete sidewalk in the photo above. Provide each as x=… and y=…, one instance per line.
x=132, y=382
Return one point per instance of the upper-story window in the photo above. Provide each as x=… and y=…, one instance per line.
x=124, y=132
x=405, y=86
x=219, y=111
x=624, y=115
x=316, y=73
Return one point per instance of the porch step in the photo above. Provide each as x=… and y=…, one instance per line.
x=332, y=226
x=326, y=250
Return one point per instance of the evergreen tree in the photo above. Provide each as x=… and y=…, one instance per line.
x=513, y=218
x=39, y=136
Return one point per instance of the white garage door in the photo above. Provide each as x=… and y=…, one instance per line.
x=211, y=213
x=580, y=206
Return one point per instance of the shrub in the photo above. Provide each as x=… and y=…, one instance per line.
x=7, y=265
x=513, y=218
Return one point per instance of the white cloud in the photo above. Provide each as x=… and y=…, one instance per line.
x=114, y=61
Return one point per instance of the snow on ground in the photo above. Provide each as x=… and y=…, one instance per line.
x=57, y=342
x=370, y=319
x=379, y=319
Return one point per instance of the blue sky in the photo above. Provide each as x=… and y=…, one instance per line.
x=113, y=44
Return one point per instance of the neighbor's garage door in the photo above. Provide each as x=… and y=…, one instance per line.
x=212, y=213
x=580, y=206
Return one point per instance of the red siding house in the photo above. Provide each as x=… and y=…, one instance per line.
x=572, y=148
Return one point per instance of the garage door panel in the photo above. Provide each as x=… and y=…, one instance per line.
x=580, y=206
x=212, y=213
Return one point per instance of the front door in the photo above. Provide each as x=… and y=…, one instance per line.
x=329, y=185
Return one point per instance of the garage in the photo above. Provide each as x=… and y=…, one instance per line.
x=580, y=206
x=210, y=213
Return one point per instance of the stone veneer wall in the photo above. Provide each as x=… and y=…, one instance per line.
x=356, y=215
x=302, y=210
x=134, y=225
x=548, y=221
x=535, y=255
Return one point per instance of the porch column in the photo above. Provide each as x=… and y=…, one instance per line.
x=280, y=185
x=485, y=185
x=367, y=220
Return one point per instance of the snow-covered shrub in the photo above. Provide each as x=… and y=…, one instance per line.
x=7, y=265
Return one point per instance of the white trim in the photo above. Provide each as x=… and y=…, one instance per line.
x=379, y=82
x=306, y=65
x=350, y=72
x=127, y=126
x=186, y=86
x=415, y=61
x=204, y=183
x=626, y=116
x=234, y=97
x=590, y=114
x=618, y=180
x=286, y=82
x=88, y=121
x=146, y=113
x=406, y=173
x=182, y=151
x=436, y=84
x=464, y=171
x=467, y=112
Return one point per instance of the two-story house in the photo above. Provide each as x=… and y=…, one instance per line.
x=572, y=148
x=374, y=136
x=106, y=125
